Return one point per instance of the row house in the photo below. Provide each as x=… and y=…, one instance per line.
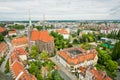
x=91, y=73
x=19, y=42
x=3, y=49
x=16, y=66
x=12, y=33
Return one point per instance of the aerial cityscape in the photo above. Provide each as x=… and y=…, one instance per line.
x=59, y=39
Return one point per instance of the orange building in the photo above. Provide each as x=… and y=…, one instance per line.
x=12, y=32
x=3, y=49
x=43, y=40
x=17, y=68
x=2, y=30
x=19, y=42
x=92, y=73
x=63, y=32
x=73, y=58
x=19, y=73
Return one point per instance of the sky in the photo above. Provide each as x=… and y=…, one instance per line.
x=60, y=9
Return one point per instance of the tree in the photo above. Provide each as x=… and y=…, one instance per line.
x=43, y=55
x=111, y=65
x=116, y=51
x=103, y=57
x=60, y=42
x=56, y=76
x=7, y=67
x=33, y=68
x=78, y=31
x=1, y=37
x=34, y=52
x=34, y=48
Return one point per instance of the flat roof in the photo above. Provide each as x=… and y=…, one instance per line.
x=74, y=52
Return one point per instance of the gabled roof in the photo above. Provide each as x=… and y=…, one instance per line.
x=41, y=35
x=17, y=68
x=34, y=35
x=62, y=31
x=20, y=51
x=3, y=45
x=12, y=31
x=20, y=72
x=13, y=57
x=2, y=29
x=99, y=75
x=19, y=40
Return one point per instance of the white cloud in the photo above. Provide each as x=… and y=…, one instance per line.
x=59, y=9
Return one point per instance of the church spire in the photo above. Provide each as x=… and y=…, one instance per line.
x=29, y=32
x=30, y=22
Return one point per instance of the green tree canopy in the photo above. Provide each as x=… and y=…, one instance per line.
x=116, y=51
x=111, y=65
x=33, y=68
x=44, y=55
x=1, y=37
x=34, y=52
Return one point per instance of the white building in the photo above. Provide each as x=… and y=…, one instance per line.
x=64, y=32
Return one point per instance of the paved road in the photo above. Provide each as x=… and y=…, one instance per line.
x=64, y=70
x=118, y=75
x=63, y=75
x=2, y=67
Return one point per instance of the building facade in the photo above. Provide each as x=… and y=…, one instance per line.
x=73, y=58
x=43, y=41
x=3, y=49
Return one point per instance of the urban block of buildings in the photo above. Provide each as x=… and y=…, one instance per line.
x=17, y=68
x=81, y=62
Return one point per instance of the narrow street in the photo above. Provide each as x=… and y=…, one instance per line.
x=2, y=67
x=68, y=75
x=118, y=75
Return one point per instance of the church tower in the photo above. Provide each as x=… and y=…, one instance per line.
x=29, y=32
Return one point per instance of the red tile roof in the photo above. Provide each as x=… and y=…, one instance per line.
x=17, y=68
x=20, y=51
x=20, y=73
x=3, y=45
x=99, y=75
x=11, y=32
x=35, y=35
x=82, y=69
x=2, y=29
x=19, y=41
x=79, y=58
x=41, y=35
x=62, y=31
x=13, y=57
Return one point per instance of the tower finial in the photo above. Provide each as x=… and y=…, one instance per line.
x=43, y=22
x=30, y=23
